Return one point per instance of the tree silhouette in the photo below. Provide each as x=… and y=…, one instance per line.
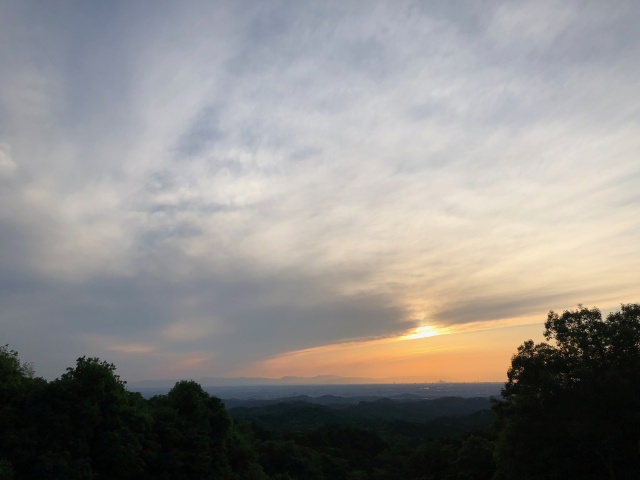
x=99, y=424
x=191, y=428
x=572, y=409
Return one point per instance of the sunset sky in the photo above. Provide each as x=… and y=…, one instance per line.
x=358, y=188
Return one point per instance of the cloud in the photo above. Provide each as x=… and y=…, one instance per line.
x=7, y=165
x=229, y=184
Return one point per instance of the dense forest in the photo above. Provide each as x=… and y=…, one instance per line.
x=569, y=409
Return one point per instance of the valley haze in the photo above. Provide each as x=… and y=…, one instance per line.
x=315, y=389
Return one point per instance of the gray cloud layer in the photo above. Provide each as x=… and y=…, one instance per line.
x=233, y=180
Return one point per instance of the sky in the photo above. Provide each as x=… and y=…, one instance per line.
x=266, y=188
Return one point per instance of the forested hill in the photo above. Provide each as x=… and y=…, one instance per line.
x=411, y=421
x=86, y=424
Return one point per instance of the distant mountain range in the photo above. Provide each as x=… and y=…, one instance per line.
x=288, y=380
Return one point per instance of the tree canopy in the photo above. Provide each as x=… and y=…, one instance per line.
x=571, y=408
x=87, y=425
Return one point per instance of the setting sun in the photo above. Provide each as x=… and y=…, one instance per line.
x=424, y=331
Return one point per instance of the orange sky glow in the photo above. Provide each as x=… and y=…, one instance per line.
x=461, y=355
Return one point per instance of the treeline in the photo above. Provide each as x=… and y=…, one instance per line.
x=86, y=425
x=570, y=409
x=410, y=422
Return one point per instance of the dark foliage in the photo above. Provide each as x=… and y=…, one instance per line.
x=412, y=421
x=86, y=425
x=572, y=409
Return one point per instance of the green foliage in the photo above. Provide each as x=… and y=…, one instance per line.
x=100, y=427
x=571, y=409
x=242, y=457
x=411, y=421
x=86, y=425
x=474, y=459
x=191, y=429
x=13, y=374
x=6, y=470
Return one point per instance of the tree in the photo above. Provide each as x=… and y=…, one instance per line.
x=17, y=389
x=90, y=425
x=572, y=409
x=6, y=470
x=474, y=460
x=191, y=429
x=13, y=373
x=86, y=425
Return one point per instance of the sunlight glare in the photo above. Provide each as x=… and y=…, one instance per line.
x=424, y=332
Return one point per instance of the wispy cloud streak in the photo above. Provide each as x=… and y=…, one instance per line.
x=240, y=182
